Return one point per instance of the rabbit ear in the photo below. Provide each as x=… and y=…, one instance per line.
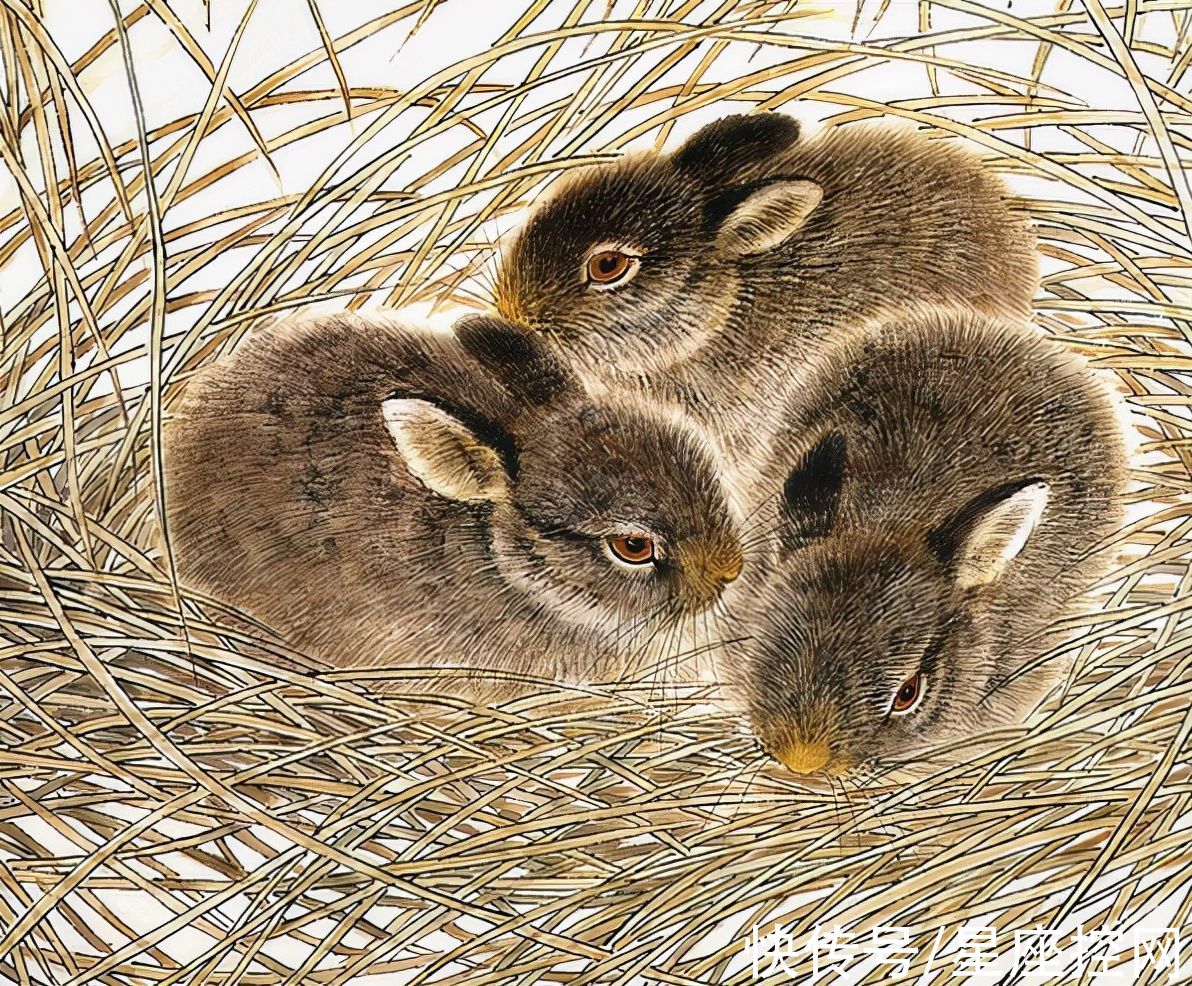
x=752, y=219
x=811, y=493
x=989, y=532
x=717, y=152
x=520, y=359
x=443, y=453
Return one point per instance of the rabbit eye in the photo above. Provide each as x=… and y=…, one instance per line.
x=607, y=268
x=909, y=695
x=631, y=549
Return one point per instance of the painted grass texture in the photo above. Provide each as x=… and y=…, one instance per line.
x=183, y=802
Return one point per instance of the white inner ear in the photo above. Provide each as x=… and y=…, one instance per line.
x=769, y=216
x=1000, y=535
x=442, y=453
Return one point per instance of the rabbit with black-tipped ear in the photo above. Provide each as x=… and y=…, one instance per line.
x=940, y=488
x=379, y=494
x=707, y=274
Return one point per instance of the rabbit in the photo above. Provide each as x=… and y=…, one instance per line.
x=935, y=495
x=378, y=494
x=707, y=275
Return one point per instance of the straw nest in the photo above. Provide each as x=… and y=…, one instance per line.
x=183, y=803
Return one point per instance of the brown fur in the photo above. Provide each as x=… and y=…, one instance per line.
x=905, y=436
x=286, y=496
x=903, y=220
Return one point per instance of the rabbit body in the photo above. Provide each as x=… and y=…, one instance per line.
x=380, y=494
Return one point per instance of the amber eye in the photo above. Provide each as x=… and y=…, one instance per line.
x=608, y=268
x=909, y=695
x=632, y=549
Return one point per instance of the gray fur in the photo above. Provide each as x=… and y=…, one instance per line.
x=903, y=220
x=907, y=441
x=286, y=496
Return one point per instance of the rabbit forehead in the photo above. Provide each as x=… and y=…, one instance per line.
x=639, y=203
x=616, y=459
x=874, y=601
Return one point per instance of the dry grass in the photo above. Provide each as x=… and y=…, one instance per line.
x=181, y=804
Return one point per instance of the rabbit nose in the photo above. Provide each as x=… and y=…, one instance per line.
x=707, y=571
x=509, y=305
x=804, y=758
x=729, y=570
x=720, y=567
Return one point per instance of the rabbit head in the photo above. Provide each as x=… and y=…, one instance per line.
x=637, y=261
x=606, y=513
x=871, y=643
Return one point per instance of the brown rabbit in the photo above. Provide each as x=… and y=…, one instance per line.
x=941, y=484
x=708, y=274
x=379, y=494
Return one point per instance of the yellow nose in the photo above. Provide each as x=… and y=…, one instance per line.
x=728, y=570
x=706, y=572
x=509, y=306
x=804, y=758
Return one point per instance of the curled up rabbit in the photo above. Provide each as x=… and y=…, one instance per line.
x=710, y=273
x=938, y=493
x=381, y=494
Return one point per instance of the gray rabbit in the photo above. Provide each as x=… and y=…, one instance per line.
x=380, y=494
x=708, y=274
x=939, y=488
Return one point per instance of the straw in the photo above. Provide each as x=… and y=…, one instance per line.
x=185, y=800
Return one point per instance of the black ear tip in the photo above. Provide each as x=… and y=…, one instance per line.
x=830, y=451
x=492, y=337
x=476, y=326
x=516, y=354
x=767, y=127
x=811, y=493
x=835, y=447
x=778, y=128
x=827, y=456
x=473, y=320
x=750, y=134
